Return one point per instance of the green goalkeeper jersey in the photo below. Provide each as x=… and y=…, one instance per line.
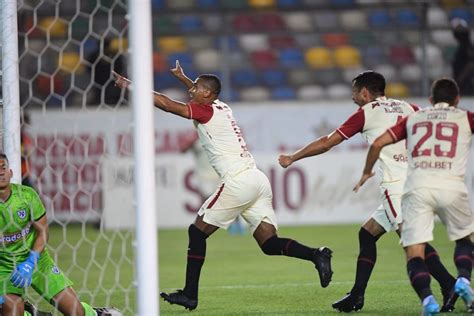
x=17, y=235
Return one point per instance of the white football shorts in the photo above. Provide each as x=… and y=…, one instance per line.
x=389, y=214
x=248, y=194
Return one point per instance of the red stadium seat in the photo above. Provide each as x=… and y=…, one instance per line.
x=333, y=40
x=244, y=23
x=270, y=22
x=282, y=41
x=264, y=59
x=401, y=55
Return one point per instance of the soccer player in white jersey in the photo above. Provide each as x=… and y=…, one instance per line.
x=376, y=113
x=244, y=191
x=438, y=141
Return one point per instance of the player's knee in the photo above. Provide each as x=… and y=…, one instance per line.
x=195, y=234
x=366, y=238
x=464, y=243
x=271, y=246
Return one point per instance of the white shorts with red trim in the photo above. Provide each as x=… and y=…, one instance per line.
x=389, y=214
x=248, y=194
x=420, y=206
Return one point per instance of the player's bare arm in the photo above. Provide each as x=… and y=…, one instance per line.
x=319, y=146
x=178, y=72
x=42, y=231
x=372, y=156
x=160, y=100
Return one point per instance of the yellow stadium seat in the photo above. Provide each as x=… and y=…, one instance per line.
x=396, y=90
x=450, y=4
x=118, y=44
x=347, y=57
x=172, y=44
x=261, y=3
x=70, y=62
x=55, y=27
x=319, y=58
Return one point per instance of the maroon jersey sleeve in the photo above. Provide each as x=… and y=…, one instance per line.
x=353, y=125
x=399, y=130
x=200, y=113
x=415, y=107
x=470, y=118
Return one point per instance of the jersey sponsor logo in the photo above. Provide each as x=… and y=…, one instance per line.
x=433, y=165
x=21, y=214
x=11, y=238
x=55, y=270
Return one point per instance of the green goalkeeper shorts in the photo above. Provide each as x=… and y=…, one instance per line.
x=47, y=280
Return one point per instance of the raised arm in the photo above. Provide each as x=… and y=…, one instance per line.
x=319, y=146
x=372, y=156
x=179, y=73
x=160, y=100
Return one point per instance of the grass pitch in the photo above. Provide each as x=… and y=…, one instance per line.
x=238, y=279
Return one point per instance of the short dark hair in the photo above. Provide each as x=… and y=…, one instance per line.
x=371, y=80
x=444, y=90
x=212, y=82
x=3, y=156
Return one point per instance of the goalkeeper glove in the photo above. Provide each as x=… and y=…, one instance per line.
x=23, y=273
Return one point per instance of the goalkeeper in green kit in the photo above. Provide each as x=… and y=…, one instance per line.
x=24, y=261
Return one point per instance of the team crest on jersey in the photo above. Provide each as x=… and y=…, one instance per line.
x=21, y=214
x=55, y=270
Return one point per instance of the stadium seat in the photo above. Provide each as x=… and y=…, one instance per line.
x=232, y=41
x=261, y=4
x=339, y=91
x=350, y=73
x=157, y=4
x=70, y=62
x=164, y=80
x=244, y=78
x=332, y=40
x=236, y=59
x=347, y=57
x=273, y=77
x=208, y=4
x=263, y=59
x=270, y=22
x=437, y=17
x=353, y=20
x=461, y=13
x=283, y=93
x=345, y=3
x=326, y=20
x=207, y=60
x=380, y=18
x=301, y=76
x=281, y=41
x=254, y=94
x=319, y=58
x=190, y=23
x=213, y=23
x=159, y=62
x=234, y=4
x=361, y=39
x=407, y=17
x=311, y=93
x=410, y=72
x=253, y=42
x=291, y=58
x=244, y=23
x=118, y=45
x=449, y=4
x=196, y=42
x=308, y=40
x=327, y=77
x=185, y=60
x=164, y=25
x=298, y=21
x=443, y=38
x=54, y=26
x=180, y=4
x=433, y=54
x=284, y=4
x=172, y=44
x=411, y=37
x=397, y=90
x=401, y=54
x=79, y=28
x=388, y=71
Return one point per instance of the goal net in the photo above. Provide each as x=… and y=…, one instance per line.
x=73, y=118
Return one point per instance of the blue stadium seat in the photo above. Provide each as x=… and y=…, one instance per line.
x=190, y=23
x=283, y=93
x=379, y=18
x=157, y=4
x=407, y=17
x=343, y=2
x=205, y=4
x=164, y=80
x=244, y=78
x=273, y=77
x=461, y=13
x=291, y=57
x=232, y=41
x=288, y=3
x=185, y=59
x=373, y=55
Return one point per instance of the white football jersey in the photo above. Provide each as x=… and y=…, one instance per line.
x=438, y=142
x=372, y=120
x=221, y=138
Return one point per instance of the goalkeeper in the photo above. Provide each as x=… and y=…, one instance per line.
x=24, y=261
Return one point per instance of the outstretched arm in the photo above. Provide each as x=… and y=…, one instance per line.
x=160, y=100
x=179, y=73
x=319, y=146
x=372, y=156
